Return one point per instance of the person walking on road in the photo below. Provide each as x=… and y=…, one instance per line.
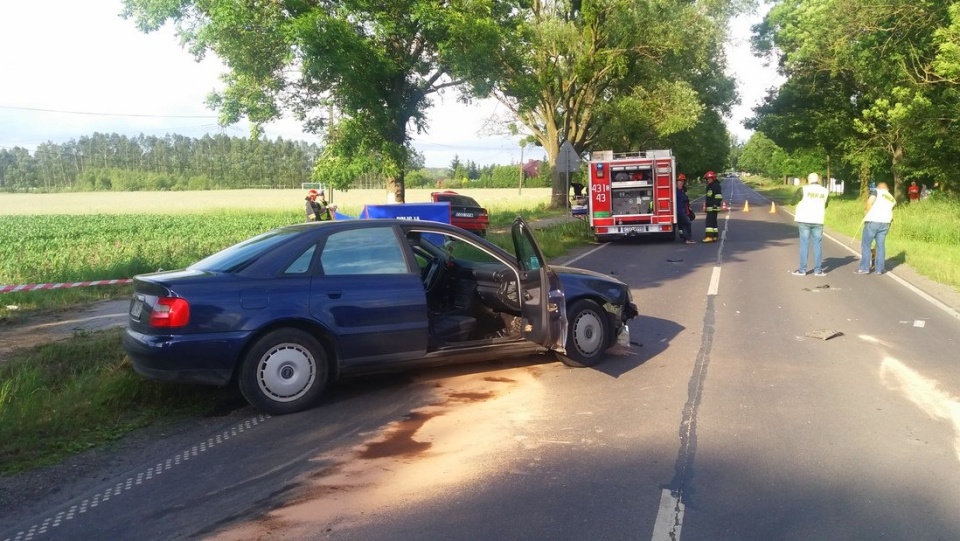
x=876, y=224
x=713, y=203
x=811, y=201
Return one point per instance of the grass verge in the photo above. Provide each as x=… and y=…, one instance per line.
x=67, y=397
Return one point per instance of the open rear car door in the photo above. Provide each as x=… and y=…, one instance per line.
x=541, y=295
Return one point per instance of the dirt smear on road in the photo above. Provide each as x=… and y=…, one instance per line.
x=451, y=443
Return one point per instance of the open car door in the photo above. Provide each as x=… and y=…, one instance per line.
x=541, y=295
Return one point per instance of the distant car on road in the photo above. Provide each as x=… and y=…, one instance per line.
x=465, y=212
x=286, y=312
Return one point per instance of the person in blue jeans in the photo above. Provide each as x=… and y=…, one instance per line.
x=876, y=224
x=811, y=201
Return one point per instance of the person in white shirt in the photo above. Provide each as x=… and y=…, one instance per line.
x=876, y=224
x=811, y=208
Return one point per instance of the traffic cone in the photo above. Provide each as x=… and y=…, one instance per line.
x=723, y=206
x=704, y=206
x=773, y=207
x=746, y=206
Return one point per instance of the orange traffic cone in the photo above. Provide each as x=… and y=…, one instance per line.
x=723, y=206
x=704, y=205
x=773, y=207
x=746, y=206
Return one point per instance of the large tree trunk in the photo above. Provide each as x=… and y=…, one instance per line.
x=396, y=192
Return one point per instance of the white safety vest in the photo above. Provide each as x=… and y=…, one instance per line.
x=812, y=207
x=882, y=209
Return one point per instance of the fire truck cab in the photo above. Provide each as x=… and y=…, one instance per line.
x=633, y=194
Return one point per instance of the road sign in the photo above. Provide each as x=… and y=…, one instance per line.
x=568, y=161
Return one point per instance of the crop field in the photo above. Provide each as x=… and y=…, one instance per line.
x=100, y=236
x=165, y=203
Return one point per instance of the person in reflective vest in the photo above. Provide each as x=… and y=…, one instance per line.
x=713, y=203
x=811, y=201
x=876, y=224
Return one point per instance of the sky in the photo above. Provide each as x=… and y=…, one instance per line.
x=74, y=67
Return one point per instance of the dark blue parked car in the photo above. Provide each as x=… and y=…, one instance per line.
x=286, y=312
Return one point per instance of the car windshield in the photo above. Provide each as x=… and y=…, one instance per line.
x=240, y=255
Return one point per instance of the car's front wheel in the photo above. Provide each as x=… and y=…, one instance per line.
x=284, y=372
x=588, y=334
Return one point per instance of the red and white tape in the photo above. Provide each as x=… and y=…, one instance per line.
x=62, y=285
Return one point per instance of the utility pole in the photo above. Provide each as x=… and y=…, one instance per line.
x=520, y=185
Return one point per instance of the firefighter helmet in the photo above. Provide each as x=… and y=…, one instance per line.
x=710, y=175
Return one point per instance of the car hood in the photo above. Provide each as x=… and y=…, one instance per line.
x=583, y=274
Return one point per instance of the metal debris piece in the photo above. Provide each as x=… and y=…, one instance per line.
x=674, y=261
x=824, y=334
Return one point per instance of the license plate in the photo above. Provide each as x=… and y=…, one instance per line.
x=463, y=214
x=136, y=308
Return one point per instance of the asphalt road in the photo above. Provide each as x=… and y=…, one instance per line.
x=728, y=418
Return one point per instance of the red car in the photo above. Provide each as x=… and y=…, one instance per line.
x=465, y=212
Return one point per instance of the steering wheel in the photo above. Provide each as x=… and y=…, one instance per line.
x=431, y=274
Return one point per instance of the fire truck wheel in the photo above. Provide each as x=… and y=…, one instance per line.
x=588, y=334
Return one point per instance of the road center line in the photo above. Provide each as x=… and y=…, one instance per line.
x=669, y=517
x=714, y=281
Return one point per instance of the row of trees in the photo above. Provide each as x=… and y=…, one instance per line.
x=602, y=74
x=117, y=162
x=872, y=90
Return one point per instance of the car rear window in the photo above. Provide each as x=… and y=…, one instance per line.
x=238, y=256
x=458, y=200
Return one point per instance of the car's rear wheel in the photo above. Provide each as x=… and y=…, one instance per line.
x=284, y=372
x=588, y=334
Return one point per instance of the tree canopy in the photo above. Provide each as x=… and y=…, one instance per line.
x=363, y=71
x=617, y=74
x=872, y=81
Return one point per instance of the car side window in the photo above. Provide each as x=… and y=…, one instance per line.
x=302, y=264
x=371, y=250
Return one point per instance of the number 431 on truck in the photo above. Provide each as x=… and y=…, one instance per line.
x=633, y=194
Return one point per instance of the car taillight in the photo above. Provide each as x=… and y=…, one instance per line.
x=483, y=213
x=170, y=312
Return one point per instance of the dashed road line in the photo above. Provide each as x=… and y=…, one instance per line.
x=114, y=492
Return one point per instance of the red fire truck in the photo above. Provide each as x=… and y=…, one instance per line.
x=633, y=194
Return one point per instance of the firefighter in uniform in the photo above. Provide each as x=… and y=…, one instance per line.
x=713, y=204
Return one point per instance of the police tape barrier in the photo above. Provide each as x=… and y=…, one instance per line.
x=62, y=285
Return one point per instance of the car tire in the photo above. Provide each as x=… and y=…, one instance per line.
x=588, y=334
x=285, y=371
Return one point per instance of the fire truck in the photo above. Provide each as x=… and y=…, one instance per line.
x=633, y=194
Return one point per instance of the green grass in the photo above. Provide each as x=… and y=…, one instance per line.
x=67, y=397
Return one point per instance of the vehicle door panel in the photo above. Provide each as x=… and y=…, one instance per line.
x=371, y=297
x=542, y=300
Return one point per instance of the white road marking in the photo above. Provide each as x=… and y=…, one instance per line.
x=669, y=517
x=583, y=255
x=714, y=281
x=919, y=323
x=926, y=393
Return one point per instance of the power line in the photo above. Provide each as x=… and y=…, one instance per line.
x=89, y=113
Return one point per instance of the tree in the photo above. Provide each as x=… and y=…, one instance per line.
x=890, y=69
x=614, y=73
x=376, y=64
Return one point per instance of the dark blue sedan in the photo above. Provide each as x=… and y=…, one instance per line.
x=288, y=311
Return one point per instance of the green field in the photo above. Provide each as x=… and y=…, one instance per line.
x=53, y=238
